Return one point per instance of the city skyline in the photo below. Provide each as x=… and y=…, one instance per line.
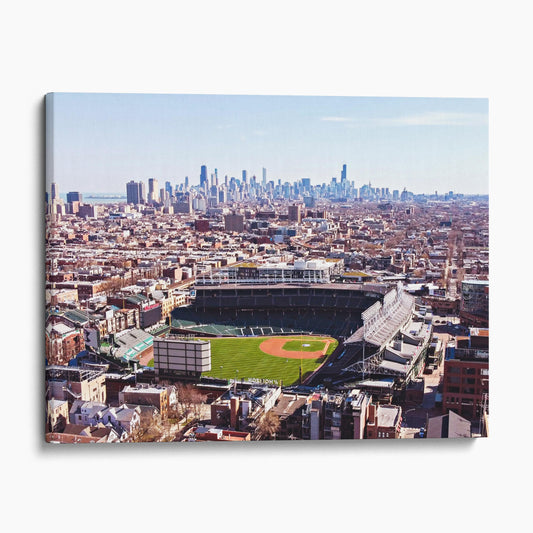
x=102, y=141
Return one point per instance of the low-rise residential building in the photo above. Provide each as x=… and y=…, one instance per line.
x=355, y=414
x=211, y=433
x=62, y=343
x=123, y=418
x=57, y=415
x=384, y=422
x=86, y=413
x=289, y=410
x=239, y=407
x=81, y=434
x=156, y=396
x=75, y=383
x=449, y=426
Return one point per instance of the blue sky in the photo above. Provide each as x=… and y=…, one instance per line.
x=101, y=141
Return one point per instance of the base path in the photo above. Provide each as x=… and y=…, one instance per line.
x=274, y=346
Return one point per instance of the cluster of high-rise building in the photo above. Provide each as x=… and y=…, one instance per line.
x=213, y=191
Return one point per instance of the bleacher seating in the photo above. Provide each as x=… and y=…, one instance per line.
x=266, y=322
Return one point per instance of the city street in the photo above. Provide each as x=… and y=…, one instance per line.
x=416, y=418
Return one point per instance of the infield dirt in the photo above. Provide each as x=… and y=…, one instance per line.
x=274, y=346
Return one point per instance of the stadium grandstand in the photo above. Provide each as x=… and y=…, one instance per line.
x=381, y=336
x=392, y=342
x=236, y=310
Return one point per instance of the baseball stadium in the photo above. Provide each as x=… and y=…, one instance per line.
x=308, y=334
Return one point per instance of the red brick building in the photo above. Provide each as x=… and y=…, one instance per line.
x=62, y=343
x=466, y=381
x=384, y=422
x=146, y=395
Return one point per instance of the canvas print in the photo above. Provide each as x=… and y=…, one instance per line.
x=265, y=268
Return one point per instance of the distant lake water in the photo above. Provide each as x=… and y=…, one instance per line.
x=100, y=198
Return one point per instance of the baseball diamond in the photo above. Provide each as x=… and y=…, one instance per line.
x=265, y=358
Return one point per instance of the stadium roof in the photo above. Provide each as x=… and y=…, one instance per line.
x=378, y=289
x=391, y=366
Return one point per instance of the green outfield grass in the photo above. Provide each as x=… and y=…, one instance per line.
x=242, y=354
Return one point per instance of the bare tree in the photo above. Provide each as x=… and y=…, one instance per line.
x=190, y=401
x=268, y=426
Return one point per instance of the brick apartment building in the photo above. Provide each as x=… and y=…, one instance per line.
x=62, y=343
x=384, y=422
x=466, y=375
x=289, y=410
x=144, y=395
x=74, y=383
x=150, y=312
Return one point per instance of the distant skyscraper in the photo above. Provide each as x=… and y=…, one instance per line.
x=244, y=176
x=74, y=197
x=234, y=222
x=294, y=213
x=168, y=187
x=132, y=194
x=135, y=192
x=343, y=173
x=309, y=201
x=153, y=191
x=203, y=177
x=54, y=191
x=264, y=177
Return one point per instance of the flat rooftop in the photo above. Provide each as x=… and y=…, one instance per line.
x=388, y=415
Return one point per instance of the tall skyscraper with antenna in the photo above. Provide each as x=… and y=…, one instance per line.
x=54, y=191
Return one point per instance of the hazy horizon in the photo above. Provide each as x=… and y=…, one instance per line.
x=99, y=142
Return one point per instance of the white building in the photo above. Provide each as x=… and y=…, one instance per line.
x=301, y=271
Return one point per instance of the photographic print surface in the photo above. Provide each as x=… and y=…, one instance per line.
x=243, y=268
